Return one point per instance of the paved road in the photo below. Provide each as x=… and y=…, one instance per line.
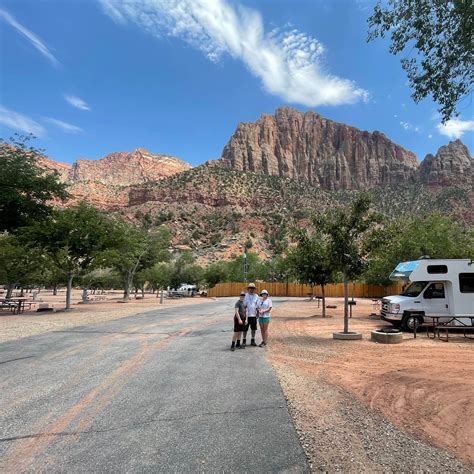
x=159, y=391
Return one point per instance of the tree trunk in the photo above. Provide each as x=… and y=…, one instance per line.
x=55, y=289
x=9, y=291
x=70, y=276
x=346, y=305
x=143, y=292
x=127, y=285
x=323, y=294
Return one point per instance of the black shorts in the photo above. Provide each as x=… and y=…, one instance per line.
x=252, y=322
x=239, y=327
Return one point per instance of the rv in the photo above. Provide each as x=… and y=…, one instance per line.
x=432, y=288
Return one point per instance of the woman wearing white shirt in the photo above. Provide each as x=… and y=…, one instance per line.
x=264, y=307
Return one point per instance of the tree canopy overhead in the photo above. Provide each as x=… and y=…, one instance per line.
x=437, y=35
x=25, y=188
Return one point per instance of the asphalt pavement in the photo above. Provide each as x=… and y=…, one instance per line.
x=155, y=392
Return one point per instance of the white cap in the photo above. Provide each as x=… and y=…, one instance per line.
x=264, y=292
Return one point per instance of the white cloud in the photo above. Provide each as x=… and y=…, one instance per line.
x=455, y=128
x=76, y=102
x=410, y=127
x=64, y=126
x=288, y=62
x=430, y=136
x=29, y=35
x=19, y=122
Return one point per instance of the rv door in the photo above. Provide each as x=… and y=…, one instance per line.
x=435, y=300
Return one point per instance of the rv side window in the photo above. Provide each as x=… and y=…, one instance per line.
x=435, y=290
x=437, y=269
x=466, y=282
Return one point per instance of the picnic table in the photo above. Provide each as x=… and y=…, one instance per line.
x=16, y=305
x=447, y=323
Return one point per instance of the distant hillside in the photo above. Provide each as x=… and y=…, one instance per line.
x=214, y=210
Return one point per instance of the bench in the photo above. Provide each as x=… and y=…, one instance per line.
x=443, y=323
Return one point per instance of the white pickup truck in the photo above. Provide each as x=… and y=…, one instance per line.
x=433, y=288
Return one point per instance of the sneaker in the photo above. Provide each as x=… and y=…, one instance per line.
x=253, y=343
x=262, y=344
x=243, y=345
x=232, y=348
x=239, y=347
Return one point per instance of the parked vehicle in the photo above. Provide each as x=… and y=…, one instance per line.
x=185, y=290
x=433, y=288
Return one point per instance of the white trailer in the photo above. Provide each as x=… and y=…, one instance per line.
x=439, y=288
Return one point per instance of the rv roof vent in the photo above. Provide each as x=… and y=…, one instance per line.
x=425, y=257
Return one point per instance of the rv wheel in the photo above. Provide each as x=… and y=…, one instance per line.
x=411, y=321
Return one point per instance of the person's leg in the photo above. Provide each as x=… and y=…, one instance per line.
x=253, y=327
x=262, y=332
x=266, y=332
x=234, y=337
x=239, y=334
x=245, y=329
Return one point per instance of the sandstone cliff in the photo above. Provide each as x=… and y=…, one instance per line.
x=125, y=169
x=321, y=152
x=452, y=165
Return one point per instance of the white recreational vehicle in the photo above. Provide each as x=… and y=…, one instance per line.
x=433, y=288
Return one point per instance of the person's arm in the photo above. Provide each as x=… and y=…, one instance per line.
x=237, y=315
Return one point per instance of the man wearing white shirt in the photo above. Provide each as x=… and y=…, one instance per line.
x=250, y=302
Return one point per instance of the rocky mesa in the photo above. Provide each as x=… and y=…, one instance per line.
x=336, y=156
x=451, y=166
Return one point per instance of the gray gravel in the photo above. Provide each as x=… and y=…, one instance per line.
x=347, y=436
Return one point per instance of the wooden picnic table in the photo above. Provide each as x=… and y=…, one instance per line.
x=17, y=304
x=445, y=322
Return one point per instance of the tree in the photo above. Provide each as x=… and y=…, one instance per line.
x=71, y=239
x=408, y=239
x=310, y=262
x=26, y=189
x=440, y=33
x=158, y=276
x=185, y=270
x=131, y=249
x=215, y=273
x=347, y=231
x=18, y=265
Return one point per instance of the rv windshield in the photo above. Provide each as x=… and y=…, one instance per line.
x=415, y=289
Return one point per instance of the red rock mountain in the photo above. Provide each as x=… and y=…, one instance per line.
x=119, y=169
x=104, y=183
x=324, y=153
x=452, y=166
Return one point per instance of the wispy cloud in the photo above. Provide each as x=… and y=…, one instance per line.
x=455, y=128
x=19, y=122
x=29, y=35
x=76, y=102
x=410, y=127
x=288, y=62
x=64, y=126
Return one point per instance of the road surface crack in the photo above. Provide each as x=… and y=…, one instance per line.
x=140, y=423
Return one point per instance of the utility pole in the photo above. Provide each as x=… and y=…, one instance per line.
x=246, y=267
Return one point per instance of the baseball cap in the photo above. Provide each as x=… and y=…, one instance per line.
x=242, y=293
x=264, y=292
x=251, y=285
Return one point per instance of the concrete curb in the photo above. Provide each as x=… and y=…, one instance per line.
x=347, y=336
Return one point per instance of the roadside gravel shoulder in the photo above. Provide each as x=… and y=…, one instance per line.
x=338, y=433
x=353, y=411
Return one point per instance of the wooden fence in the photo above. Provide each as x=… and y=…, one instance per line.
x=361, y=290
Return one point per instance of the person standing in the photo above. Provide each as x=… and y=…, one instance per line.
x=240, y=319
x=251, y=301
x=264, y=308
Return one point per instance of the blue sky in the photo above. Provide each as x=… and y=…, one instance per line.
x=90, y=77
